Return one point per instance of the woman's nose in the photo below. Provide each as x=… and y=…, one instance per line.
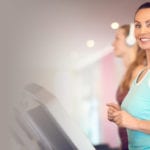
x=144, y=30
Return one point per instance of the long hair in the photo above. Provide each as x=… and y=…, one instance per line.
x=126, y=29
x=139, y=60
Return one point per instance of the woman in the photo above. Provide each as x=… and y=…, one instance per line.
x=134, y=113
x=121, y=48
x=135, y=58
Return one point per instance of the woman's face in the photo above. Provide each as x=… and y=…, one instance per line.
x=119, y=43
x=142, y=28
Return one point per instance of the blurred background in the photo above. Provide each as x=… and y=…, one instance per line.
x=65, y=46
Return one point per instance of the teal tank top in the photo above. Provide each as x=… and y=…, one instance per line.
x=137, y=103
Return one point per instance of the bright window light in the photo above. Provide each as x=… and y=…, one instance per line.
x=90, y=43
x=115, y=25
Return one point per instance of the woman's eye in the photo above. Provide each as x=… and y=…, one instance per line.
x=148, y=24
x=137, y=25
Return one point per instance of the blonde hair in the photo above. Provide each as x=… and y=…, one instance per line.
x=126, y=29
x=139, y=60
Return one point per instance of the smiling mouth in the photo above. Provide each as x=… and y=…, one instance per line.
x=144, y=39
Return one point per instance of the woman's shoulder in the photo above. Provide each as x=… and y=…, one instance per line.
x=137, y=70
x=135, y=73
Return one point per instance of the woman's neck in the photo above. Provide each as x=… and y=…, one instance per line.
x=126, y=61
x=133, y=52
x=128, y=58
x=148, y=58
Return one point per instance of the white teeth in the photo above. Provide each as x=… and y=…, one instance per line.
x=145, y=39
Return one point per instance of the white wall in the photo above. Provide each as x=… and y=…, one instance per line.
x=46, y=37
